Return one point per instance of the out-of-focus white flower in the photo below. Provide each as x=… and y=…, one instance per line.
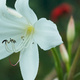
x=64, y=53
x=21, y=31
x=71, y=30
x=56, y=79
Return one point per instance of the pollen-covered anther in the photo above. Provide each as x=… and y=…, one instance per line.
x=9, y=42
x=12, y=40
x=4, y=41
x=30, y=30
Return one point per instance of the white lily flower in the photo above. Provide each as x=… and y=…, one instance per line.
x=20, y=30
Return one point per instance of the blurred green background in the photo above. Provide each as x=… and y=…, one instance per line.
x=43, y=8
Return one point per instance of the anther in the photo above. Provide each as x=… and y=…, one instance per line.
x=12, y=40
x=22, y=37
x=4, y=41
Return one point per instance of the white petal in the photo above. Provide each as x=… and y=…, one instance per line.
x=8, y=17
x=23, y=8
x=29, y=62
x=46, y=34
x=3, y=52
x=8, y=31
x=10, y=25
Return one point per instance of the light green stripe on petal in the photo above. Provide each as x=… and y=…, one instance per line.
x=14, y=12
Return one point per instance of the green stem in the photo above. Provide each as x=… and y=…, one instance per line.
x=67, y=67
x=69, y=51
x=57, y=64
x=73, y=67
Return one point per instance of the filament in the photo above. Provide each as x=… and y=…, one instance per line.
x=23, y=44
x=13, y=64
x=7, y=48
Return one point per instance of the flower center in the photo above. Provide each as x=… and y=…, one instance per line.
x=25, y=42
x=30, y=30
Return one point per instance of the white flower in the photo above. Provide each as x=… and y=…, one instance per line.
x=56, y=79
x=20, y=30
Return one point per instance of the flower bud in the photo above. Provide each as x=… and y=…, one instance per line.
x=64, y=53
x=71, y=30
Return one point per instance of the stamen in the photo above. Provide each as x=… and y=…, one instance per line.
x=13, y=64
x=13, y=47
x=12, y=40
x=6, y=45
x=8, y=49
x=5, y=41
x=22, y=37
x=22, y=45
